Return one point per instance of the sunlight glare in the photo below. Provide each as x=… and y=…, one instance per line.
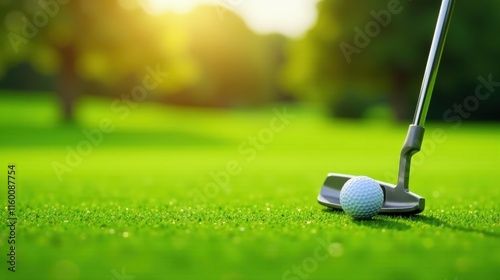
x=289, y=17
x=157, y=7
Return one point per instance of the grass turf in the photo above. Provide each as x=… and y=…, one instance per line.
x=138, y=203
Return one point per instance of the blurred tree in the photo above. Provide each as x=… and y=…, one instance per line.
x=236, y=66
x=361, y=52
x=103, y=41
x=107, y=45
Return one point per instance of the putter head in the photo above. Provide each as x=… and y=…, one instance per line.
x=397, y=200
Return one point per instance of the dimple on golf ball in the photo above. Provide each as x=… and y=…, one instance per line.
x=361, y=197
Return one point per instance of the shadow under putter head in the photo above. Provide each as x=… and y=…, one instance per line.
x=398, y=200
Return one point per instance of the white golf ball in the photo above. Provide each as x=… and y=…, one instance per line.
x=361, y=197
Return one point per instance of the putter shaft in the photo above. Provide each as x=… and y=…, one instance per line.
x=433, y=61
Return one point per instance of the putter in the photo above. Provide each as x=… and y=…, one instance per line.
x=398, y=200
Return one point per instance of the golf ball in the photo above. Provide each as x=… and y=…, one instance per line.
x=361, y=197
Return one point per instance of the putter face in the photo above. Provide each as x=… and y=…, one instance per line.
x=397, y=200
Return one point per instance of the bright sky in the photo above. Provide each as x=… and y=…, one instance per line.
x=289, y=17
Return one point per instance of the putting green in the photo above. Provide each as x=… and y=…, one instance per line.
x=167, y=193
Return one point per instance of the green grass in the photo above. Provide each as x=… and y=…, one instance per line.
x=134, y=201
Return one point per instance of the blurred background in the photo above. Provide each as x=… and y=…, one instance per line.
x=125, y=117
x=350, y=59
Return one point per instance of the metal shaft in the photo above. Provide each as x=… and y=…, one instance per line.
x=431, y=69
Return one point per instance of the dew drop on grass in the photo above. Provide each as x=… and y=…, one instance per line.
x=336, y=249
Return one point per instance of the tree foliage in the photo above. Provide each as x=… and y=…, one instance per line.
x=367, y=51
x=109, y=44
